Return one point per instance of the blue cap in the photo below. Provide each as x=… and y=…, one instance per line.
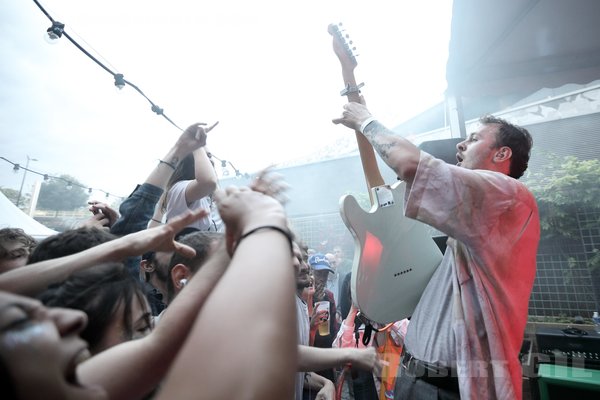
x=319, y=263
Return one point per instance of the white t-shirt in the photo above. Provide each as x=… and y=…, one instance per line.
x=303, y=339
x=177, y=205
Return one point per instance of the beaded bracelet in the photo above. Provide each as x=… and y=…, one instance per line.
x=285, y=232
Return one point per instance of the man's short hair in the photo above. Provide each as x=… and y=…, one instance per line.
x=201, y=242
x=69, y=242
x=517, y=139
x=8, y=235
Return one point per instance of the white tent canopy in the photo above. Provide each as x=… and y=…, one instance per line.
x=12, y=217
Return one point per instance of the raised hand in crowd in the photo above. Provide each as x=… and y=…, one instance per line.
x=241, y=217
x=271, y=184
x=103, y=216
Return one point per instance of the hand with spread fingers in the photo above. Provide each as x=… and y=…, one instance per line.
x=271, y=184
x=162, y=238
x=243, y=209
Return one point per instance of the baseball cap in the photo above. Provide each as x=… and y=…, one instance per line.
x=319, y=262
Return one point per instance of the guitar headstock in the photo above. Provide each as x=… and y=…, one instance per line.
x=342, y=46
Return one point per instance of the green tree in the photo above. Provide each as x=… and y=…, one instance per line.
x=10, y=194
x=567, y=190
x=57, y=195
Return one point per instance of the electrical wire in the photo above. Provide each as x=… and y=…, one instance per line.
x=154, y=107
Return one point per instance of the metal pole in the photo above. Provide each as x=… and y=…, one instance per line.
x=23, y=180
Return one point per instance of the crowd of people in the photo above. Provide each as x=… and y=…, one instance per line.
x=195, y=291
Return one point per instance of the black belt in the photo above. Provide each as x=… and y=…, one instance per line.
x=442, y=377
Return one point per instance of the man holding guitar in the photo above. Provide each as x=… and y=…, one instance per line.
x=466, y=331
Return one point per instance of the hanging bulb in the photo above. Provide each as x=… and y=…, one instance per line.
x=16, y=168
x=107, y=194
x=119, y=81
x=46, y=177
x=54, y=33
x=90, y=190
x=69, y=186
x=224, y=170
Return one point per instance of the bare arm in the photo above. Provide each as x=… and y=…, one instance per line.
x=205, y=181
x=117, y=369
x=324, y=387
x=397, y=152
x=189, y=141
x=137, y=210
x=34, y=278
x=316, y=359
x=246, y=317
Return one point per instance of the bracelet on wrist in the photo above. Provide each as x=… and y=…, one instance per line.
x=365, y=123
x=155, y=220
x=285, y=232
x=168, y=163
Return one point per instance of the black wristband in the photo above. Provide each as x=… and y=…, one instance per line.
x=168, y=163
x=285, y=232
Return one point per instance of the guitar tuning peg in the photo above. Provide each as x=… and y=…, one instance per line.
x=354, y=49
x=351, y=42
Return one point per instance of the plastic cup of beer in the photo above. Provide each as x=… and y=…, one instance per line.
x=324, y=325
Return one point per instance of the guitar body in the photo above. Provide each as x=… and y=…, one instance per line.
x=394, y=256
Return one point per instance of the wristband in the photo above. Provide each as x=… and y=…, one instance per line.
x=365, y=123
x=285, y=232
x=168, y=163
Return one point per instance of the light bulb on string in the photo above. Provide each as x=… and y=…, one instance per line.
x=224, y=170
x=16, y=168
x=89, y=190
x=54, y=33
x=69, y=186
x=46, y=177
x=119, y=81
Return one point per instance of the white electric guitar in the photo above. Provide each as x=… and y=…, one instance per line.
x=394, y=256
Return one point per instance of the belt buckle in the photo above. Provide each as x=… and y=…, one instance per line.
x=409, y=363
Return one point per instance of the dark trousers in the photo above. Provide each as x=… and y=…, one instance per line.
x=418, y=384
x=410, y=388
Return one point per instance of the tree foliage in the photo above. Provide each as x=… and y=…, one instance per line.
x=562, y=188
x=56, y=195
x=565, y=189
x=10, y=194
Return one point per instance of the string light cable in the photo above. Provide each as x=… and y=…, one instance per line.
x=69, y=184
x=57, y=30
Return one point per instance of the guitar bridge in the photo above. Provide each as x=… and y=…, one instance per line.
x=384, y=196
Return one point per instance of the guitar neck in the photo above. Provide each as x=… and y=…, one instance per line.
x=367, y=154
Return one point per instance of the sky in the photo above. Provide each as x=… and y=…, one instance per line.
x=264, y=69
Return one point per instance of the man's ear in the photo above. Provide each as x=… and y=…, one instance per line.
x=145, y=269
x=504, y=153
x=146, y=266
x=180, y=274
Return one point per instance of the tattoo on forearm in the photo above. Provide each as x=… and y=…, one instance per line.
x=306, y=377
x=379, y=137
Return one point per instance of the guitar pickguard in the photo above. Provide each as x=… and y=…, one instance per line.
x=394, y=256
